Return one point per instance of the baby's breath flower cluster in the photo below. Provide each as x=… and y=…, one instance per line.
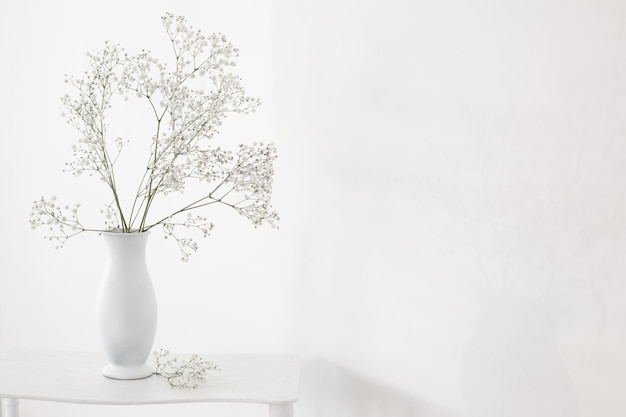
x=189, y=103
x=184, y=373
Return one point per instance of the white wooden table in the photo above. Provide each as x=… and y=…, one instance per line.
x=75, y=377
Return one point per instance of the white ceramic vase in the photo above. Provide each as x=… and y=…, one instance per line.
x=126, y=309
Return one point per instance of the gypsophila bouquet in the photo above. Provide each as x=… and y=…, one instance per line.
x=187, y=102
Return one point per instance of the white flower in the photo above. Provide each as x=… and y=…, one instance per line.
x=185, y=373
x=182, y=149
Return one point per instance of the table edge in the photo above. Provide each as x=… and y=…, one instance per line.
x=161, y=402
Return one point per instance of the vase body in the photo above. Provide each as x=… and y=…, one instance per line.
x=512, y=366
x=126, y=308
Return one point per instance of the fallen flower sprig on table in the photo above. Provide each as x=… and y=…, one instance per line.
x=182, y=373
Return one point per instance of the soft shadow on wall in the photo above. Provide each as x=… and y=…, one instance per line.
x=441, y=145
x=514, y=349
x=329, y=390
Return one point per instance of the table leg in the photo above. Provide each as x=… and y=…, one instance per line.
x=10, y=407
x=281, y=410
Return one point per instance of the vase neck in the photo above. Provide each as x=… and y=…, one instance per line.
x=126, y=245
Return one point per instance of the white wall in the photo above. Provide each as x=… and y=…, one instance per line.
x=450, y=185
x=460, y=185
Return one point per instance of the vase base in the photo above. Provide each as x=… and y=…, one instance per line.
x=127, y=372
